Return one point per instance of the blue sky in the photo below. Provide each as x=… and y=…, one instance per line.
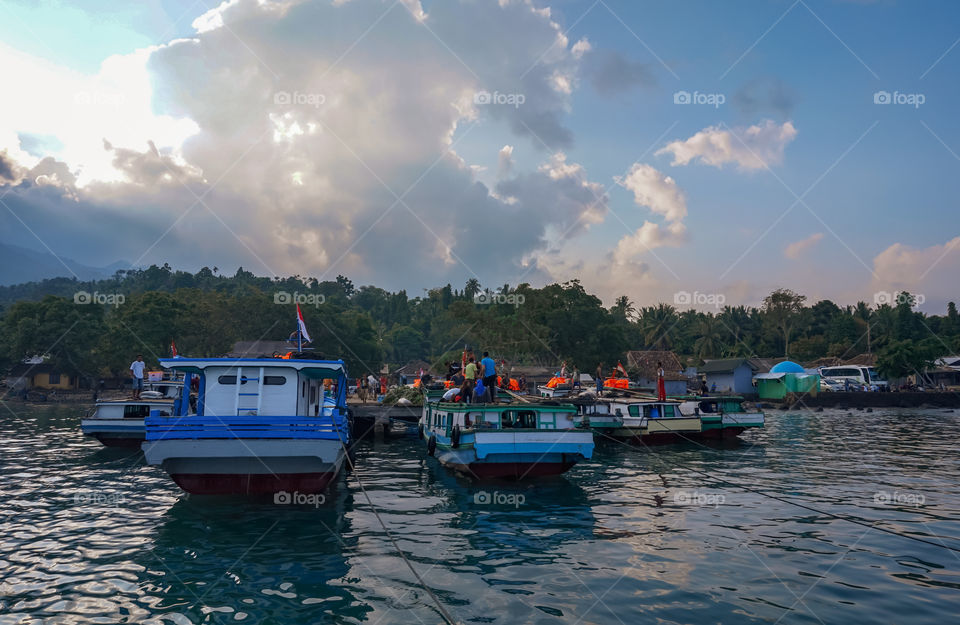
x=878, y=181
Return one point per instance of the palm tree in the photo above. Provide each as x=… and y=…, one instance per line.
x=657, y=323
x=709, y=341
x=624, y=308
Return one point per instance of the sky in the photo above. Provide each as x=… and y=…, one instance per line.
x=691, y=152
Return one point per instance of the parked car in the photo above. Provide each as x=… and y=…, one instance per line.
x=829, y=384
x=855, y=376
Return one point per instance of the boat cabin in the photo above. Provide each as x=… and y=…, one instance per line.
x=482, y=417
x=262, y=386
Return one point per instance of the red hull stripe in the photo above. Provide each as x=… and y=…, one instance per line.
x=251, y=484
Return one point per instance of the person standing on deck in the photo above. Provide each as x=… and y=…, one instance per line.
x=490, y=375
x=469, y=379
x=600, y=380
x=661, y=386
x=136, y=375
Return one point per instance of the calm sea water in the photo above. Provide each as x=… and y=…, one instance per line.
x=89, y=535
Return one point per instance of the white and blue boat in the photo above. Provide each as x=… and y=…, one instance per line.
x=120, y=422
x=505, y=440
x=261, y=426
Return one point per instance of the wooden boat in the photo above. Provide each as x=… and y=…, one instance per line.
x=120, y=422
x=649, y=422
x=277, y=431
x=723, y=416
x=504, y=440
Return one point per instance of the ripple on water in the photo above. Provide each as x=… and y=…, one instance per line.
x=90, y=535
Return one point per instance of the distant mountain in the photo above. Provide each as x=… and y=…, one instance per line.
x=19, y=264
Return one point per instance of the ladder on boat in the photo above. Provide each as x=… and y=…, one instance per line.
x=245, y=396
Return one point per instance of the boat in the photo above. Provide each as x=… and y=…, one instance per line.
x=723, y=416
x=650, y=422
x=120, y=422
x=278, y=431
x=504, y=440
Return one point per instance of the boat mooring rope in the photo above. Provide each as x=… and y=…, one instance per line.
x=353, y=469
x=868, y=523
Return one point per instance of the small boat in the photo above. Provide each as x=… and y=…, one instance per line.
x=723, y=416
x=649, y=422
x=504, y=440
x=120, y=422
x=261, y=426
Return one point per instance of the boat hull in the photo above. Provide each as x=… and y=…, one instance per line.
x=115, y=432
x=247, y=466
x=252, y=483
x=510, y=455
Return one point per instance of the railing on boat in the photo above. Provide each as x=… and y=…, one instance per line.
x=208, y=426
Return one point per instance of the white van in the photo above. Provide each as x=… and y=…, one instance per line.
x=858, y=377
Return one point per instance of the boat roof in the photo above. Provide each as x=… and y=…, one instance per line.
x=549, y=407
x=135, y=402
x=310, y=368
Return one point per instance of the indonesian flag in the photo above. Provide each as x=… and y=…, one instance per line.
x=173, y=349
x=302, y=326
x=620, y=368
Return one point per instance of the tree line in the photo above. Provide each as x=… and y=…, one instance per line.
x=205, y=313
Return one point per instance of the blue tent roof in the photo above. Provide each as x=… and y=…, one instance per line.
x=787, y=367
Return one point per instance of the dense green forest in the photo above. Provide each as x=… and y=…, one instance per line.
x=97, y=332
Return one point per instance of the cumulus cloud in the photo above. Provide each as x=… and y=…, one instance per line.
x=505, y=161
x=659, y=193
x=796, y=249
x=929, y=271
x=314, y=155
x=755, y=147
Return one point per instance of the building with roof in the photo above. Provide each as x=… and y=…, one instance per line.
x=786, y=377
x=730, y=375
x=642, y=367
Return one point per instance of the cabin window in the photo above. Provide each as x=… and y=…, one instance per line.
x=466, y=420
x=274, y=380
x=303, y=389
x=521, y=419
x=548, y=421
x=633, y=410
x=54, y=378
x=136, y=412
x=231, y=379
x=313, y=394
